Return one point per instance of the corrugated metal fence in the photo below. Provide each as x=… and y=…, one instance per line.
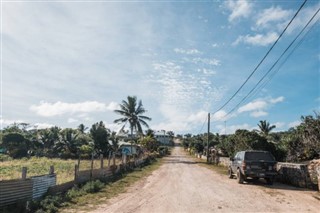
x=41, y=184
x=13, y=191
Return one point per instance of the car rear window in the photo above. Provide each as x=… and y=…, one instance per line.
x=259, y=156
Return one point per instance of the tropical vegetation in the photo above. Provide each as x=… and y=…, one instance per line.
x=298, y=144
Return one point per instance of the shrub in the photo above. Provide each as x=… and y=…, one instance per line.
x=93, y=186
x=50, y=204
x=73, y=193
x=4, y=157
x=163, y=150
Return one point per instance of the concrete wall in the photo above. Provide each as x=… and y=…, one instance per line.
x=294, y=174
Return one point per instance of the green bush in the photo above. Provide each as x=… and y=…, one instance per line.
x=73, y=193
x=93, y=186
x=50, y=204
x=4, y=157
x=163, y=150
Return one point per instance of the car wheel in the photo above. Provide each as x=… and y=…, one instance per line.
x=255, y=178
x=269, y=181
x=230, y=174
x=240, y=176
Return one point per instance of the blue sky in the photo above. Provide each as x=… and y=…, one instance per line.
x=71, y=62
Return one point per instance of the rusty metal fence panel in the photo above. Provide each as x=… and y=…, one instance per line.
x=13, y=191
x=41, y=184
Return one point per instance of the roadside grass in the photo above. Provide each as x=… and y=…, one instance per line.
x=40, y=166
x=113, y=188
x=203, y=162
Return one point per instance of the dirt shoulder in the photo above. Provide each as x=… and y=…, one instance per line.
x=182, y=185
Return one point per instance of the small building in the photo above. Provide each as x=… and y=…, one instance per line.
x=163, y=138
x=128, y=148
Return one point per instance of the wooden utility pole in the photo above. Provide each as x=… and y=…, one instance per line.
x=208, y=138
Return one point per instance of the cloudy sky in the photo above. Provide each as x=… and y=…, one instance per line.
x=69, y=62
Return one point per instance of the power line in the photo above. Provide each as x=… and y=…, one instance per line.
x=203, y=125
x=255, y=69
x=284, y=61
x=303, y=29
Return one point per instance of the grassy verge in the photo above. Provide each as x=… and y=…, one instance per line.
x=111, y=189
x=88, y=196
x=217, y=168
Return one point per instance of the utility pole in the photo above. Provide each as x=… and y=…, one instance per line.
x=208, y=137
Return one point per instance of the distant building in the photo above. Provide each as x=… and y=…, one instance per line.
x=127, y=147
x=163, y=138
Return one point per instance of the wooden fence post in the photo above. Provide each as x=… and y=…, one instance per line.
x=109, y=159
x=114, y=159
x=76, y=170
x=91, y=166
x=122, y=159
x=24, y=173
x=51, y=171
x=101, y=161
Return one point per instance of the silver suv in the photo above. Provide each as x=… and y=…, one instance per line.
x=253, y=164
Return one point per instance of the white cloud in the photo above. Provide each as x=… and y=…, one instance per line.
x=258, y=39
x=233, y=128
x=257, y=108
x=72, y=120
x=213, y=61
x=198, y=117
x=220, y=116
x=277, y=100
x=187, y=52
x=294, y=124
x=215, y=45
x=59, y=108
x=240, y=8
x=7, y=122
x=259, y=113
x=273, y=15
x=42, y=125
x=279, y=125
x=253, y=106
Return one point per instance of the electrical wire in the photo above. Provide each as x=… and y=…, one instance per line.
x=271, y=68
x=262, y=60
x=203, y=125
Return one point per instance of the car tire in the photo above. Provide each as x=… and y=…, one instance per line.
x=240, y=176
x=269, y=181
x=255, y=179
x=230, y=174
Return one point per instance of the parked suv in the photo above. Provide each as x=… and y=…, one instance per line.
x=253, y=164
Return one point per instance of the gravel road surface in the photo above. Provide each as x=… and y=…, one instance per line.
x=183, y=185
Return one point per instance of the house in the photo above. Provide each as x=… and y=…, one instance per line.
x=163, y=138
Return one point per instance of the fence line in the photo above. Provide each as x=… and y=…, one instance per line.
x=26, y=189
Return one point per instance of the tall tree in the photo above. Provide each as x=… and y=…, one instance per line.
x=132, y=112
x=100, y=135
x=265, y=128
x=82, y=128
x=16, y=144
x=68, y=144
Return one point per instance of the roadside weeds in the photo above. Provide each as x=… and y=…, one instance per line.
x=112, y=189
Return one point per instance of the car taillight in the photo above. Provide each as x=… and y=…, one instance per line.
x=244, y=166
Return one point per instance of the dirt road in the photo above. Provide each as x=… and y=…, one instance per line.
x=182, y=185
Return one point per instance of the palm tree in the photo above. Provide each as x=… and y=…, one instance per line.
x=132, y=112
x=265, y=128
x=82, y=128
